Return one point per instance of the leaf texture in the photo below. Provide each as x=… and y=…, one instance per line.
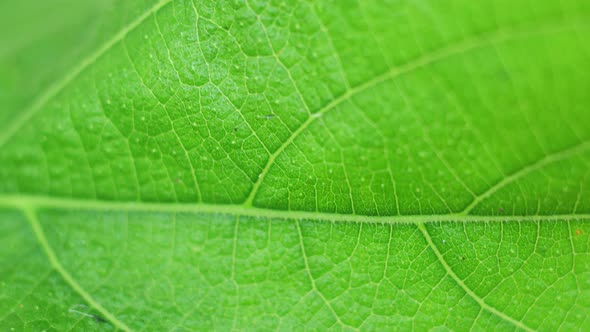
x=346, y=165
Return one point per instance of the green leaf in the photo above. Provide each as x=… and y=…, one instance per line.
x=363, y=165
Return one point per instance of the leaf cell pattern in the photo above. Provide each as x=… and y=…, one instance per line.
x=330, y=165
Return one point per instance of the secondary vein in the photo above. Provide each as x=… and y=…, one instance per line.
x=454, y=49
x=527, y=169
x=56, y=264
x=54, y=89
x=466, y=289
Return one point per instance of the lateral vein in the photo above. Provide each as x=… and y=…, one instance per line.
x=466, y=289
x=55, y=88
x=56, y=264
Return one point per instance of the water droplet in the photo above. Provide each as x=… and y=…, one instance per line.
x=153, y=150
x=383, y=185
x=417, y=190
x=108, y=101
x=194, y=124
x=233, y=142
x=145, y=37
x=143, y=118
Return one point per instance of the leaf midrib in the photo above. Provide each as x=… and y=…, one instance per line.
x=35, y=202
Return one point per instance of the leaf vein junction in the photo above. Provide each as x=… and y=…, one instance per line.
x=527, y=169
x=457, y=48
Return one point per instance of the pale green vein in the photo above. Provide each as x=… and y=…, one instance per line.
x=26, y=202
x=311, y=278
x=54, y=89
x=56, y=264
x=458, y=48
x=468, y=290
x=527, y=169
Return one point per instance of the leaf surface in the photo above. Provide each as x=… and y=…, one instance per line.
x=278, y=165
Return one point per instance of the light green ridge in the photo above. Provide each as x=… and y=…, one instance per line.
x=27, y=202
